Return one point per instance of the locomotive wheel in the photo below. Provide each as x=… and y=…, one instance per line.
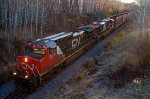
x=103, y=37
x=38, y=81
x=32, y=89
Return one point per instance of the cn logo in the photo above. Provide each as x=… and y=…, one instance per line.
x=26, y=66
x=75, y=42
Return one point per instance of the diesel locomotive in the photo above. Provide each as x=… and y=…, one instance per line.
x=42, y=55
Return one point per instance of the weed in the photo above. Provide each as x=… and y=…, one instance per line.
x=79, y=77
x=77, y=96
x=89, y=64
x=119, y=84
x=145, y=97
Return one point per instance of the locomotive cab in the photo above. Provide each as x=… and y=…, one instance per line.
x=28, y=64
x=35, y=61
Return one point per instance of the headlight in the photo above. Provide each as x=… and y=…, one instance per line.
x=26, y=59
x=26, y=76
x=14, y=73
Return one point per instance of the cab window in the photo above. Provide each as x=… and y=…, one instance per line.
x=28, y=49
x=51, y=50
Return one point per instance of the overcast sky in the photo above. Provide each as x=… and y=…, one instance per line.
x=128, y=1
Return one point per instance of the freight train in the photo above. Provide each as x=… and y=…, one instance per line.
x=42, y=55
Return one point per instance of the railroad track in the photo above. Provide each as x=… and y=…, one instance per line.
x=17, y=94
x=92, y=71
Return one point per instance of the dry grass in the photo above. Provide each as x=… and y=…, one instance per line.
x=135, y=62
x=141, y=52
x=84, y=80
x=89, y=64
x=79, y=77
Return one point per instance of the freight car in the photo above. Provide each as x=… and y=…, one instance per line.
x=42, y=55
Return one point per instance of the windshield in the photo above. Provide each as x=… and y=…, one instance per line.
x=35, y=50
x=37, y=53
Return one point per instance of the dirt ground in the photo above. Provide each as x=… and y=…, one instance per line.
x=109, y=75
